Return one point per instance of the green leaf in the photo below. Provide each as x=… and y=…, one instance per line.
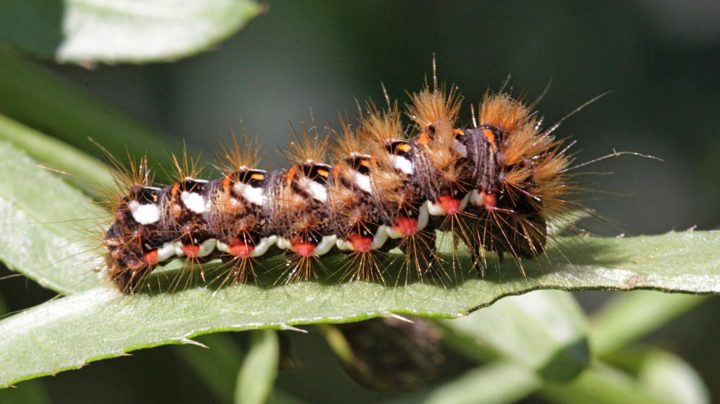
x=631, y=316
x=130, y=31
x=42, y=215
x=48, y=226
x=31, y=392
x=259, y=369
x=82, y=171
x=544, y=330
x=498, y=382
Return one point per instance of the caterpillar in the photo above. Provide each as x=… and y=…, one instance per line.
x=360, y=191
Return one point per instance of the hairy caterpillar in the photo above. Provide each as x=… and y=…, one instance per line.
x=492, y=185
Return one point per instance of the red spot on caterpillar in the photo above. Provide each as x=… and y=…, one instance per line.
x=303, y=249
x=489, y=201
x=151, y=258
x=191, y=250
x=360, y=243
x=406, y=226
x=240, y=249
x=450, y=205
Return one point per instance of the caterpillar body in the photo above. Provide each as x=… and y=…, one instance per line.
x=492, y=185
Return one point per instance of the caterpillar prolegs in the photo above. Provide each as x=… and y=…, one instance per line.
x=360, y=191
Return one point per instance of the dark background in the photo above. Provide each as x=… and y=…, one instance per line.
x=660, y=59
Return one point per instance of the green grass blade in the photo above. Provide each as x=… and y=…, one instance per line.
x=114, y=32
x=259, y=369
x=633, y=315
x=662, y=372
x=544, y=330
x=600, y=384
x=498, y=382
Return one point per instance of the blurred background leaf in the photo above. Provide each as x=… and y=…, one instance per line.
x=91, y=31
x=259, y=369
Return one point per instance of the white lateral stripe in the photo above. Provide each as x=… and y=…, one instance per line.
x=381, y=236
x=179, y=249
x=464, y=201
x=393, y=233
x=343, y=245
x=206, y=247
x=262, y=247
x=144, y=213
x=325, y=245
x=423, y=217
x=435, y=209
x=475, y=198
x=166, y=252
x=283, y=243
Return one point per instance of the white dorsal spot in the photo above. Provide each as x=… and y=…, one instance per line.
x=363, y=182
x=194, y=201
x=403, y=164
x=317, y=191
x=144, y=213
x=254, y=195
